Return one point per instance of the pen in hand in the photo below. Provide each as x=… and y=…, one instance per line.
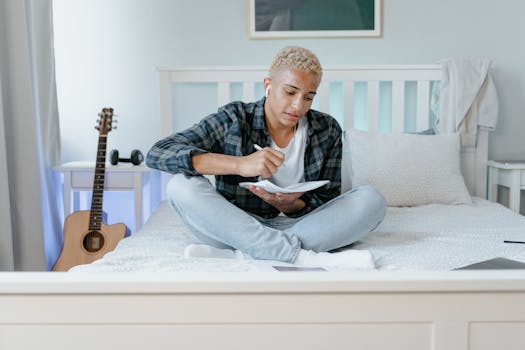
x=259, y=148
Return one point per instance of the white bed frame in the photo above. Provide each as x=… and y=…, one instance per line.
x=370, y=310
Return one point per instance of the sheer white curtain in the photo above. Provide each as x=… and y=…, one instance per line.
x=30, y=227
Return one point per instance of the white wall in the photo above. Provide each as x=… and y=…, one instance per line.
x=107, y=50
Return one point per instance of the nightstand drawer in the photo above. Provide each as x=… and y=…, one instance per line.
x=115, y=180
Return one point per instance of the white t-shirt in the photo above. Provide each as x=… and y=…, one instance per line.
x=292, y=169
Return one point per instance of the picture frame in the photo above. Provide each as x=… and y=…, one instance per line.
x=278, y=19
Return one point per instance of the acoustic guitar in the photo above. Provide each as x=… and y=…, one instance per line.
x=86, y=237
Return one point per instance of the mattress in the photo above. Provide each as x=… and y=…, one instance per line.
x=424, y=238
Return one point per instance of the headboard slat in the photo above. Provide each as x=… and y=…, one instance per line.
x=373, y=105
x=423, y=104
x=398, y=105
x=481, y=155
x=348, y=104
x=323, y=96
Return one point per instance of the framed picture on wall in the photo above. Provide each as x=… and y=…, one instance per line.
x=314, y=18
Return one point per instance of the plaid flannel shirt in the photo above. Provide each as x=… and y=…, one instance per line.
x=234, y=130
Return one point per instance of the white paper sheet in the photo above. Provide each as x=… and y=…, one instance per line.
x=298, y=187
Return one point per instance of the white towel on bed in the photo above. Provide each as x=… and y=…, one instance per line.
x=468, y=98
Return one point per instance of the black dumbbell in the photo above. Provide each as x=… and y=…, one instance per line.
x=136, y=157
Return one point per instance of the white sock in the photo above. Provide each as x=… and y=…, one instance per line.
x=207, y=251
x=347, y=259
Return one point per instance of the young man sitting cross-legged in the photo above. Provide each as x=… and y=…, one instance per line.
x=298, y=144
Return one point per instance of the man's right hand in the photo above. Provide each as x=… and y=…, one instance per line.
x=262, y=163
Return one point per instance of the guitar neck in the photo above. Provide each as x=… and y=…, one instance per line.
x=95, y=218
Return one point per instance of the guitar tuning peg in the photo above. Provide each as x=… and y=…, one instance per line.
x=97, y=128
x=115, y=121
x=114, y=128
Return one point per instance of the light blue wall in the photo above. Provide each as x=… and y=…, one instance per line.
x=107, y=51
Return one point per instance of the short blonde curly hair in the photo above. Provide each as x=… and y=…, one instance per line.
x=295, y=57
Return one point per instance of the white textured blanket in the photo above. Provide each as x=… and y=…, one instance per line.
x=444, y=237
x=429, y=237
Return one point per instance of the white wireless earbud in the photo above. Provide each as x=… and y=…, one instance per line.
x=267, y=91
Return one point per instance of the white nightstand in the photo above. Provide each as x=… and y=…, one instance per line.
x=510, y=174
x=78, y=176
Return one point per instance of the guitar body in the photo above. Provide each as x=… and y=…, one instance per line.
x=86, y=237
x=83, y=246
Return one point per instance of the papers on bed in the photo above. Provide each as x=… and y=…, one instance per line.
x=298, y=187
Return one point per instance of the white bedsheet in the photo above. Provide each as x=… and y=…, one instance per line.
x=429, y=237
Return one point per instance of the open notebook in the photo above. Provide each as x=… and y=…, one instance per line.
x=298, y=187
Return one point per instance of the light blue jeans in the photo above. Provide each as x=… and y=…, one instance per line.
x=215, y=221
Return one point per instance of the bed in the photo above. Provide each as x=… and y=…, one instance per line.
x=415, y=299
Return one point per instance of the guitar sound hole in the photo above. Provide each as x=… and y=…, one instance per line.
x=93, y=241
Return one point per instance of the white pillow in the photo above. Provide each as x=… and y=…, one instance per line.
x=408, y=169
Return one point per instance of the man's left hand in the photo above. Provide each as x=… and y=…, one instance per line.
x=286, y=202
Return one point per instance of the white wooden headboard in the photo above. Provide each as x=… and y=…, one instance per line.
x=473, y=159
